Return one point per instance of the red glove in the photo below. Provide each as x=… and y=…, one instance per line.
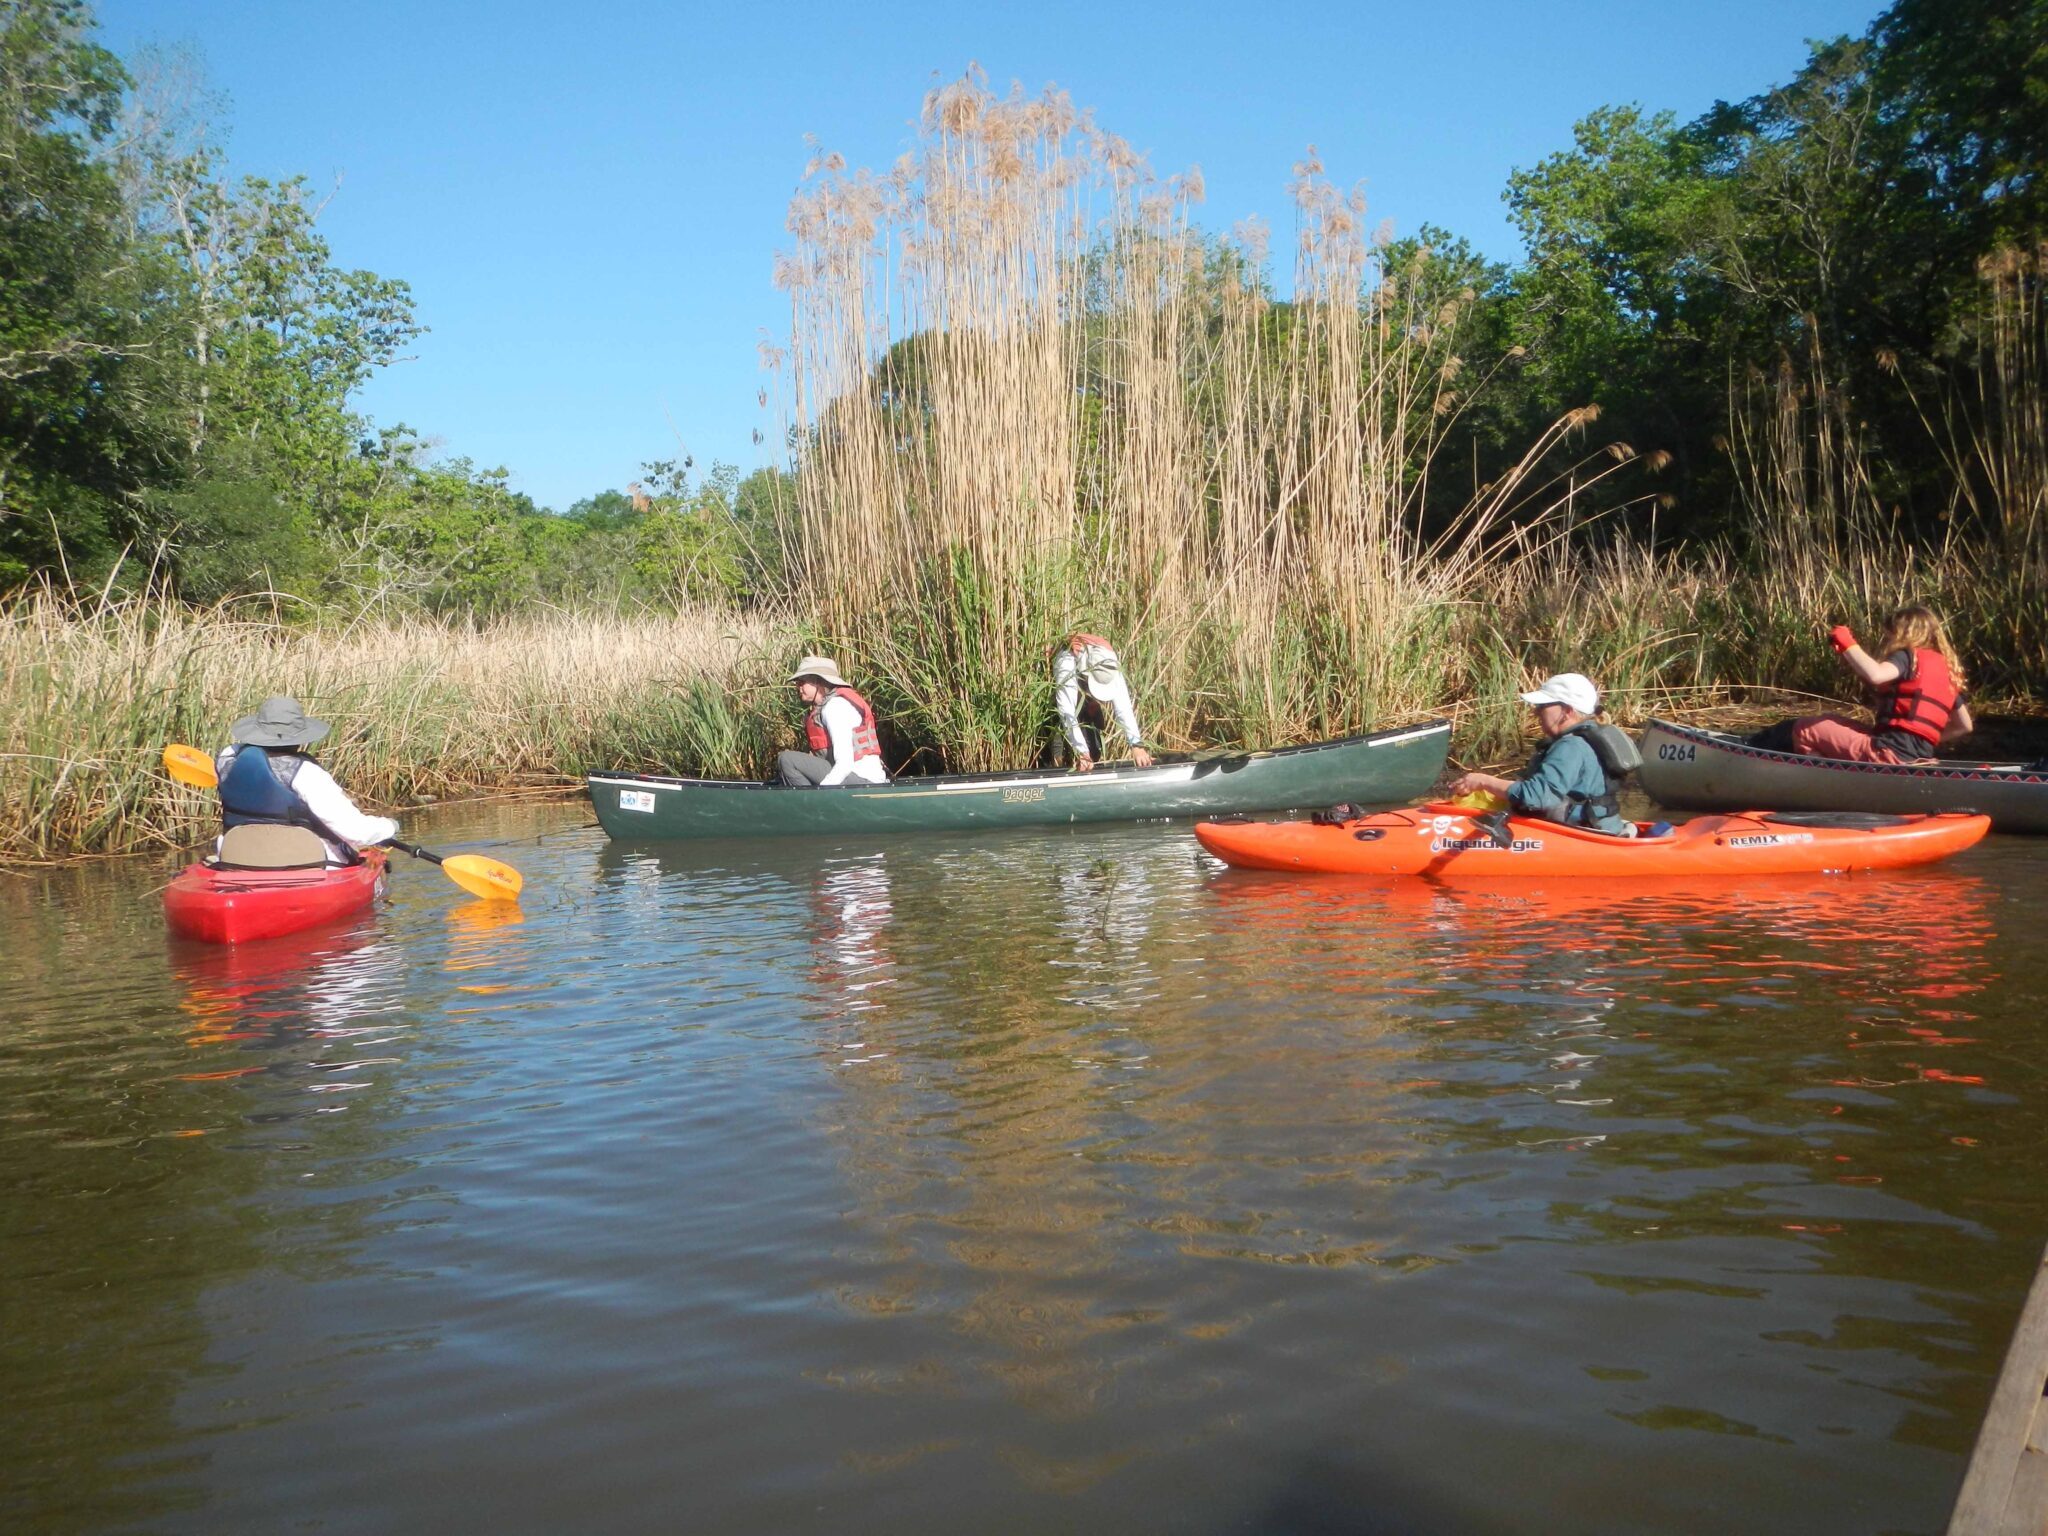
x=1841, y=637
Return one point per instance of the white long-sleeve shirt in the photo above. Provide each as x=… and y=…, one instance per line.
x=841, y=720
x=1099, y=668
x=329, y=802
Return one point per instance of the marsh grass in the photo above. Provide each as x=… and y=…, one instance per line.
x=92, y=688
x=1030, y=397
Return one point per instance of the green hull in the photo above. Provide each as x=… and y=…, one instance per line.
x=1380, y=769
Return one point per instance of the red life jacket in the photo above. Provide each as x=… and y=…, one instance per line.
x=865, y=742
x=1921, y=704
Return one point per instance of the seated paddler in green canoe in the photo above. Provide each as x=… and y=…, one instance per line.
x=839, y=727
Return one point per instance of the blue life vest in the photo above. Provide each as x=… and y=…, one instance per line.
x=257, y=790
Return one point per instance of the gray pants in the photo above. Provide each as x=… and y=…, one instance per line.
x=802, y=770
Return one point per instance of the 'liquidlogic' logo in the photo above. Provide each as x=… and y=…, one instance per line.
x=1476, y=844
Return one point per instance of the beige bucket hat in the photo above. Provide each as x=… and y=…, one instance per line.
x=823, y=668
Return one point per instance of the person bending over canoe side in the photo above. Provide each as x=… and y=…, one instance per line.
x=1921, y=702
x=840, y=728
x=1576, y=774
x=279, y=808
x=1090, y=662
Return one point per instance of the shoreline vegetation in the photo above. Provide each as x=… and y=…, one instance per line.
x=92, y=690
x=426, y=709
x=1778, y=368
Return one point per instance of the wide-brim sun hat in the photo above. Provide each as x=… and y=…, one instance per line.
x=823, y=668
x=1569, y=689
x=278, y=722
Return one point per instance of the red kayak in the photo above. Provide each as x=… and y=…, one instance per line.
x=233, y=906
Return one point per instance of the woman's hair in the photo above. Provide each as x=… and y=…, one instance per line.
x=1916, y=627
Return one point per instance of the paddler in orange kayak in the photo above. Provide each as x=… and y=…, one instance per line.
x=279, y=808
x=1089, y=662
x=1576, y=774
x=1918, y=684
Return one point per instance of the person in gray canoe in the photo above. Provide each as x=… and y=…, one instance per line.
x=839, y=729
x=1576, y=774
x=272, y=794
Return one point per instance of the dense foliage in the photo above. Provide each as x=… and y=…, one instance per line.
x=1827, y=247
x=178, y=355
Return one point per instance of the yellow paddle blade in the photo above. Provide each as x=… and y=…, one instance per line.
x=189, y=765
x=1480, y=800
x=483, y=877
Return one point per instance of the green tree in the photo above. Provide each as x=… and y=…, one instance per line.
x=81, y=429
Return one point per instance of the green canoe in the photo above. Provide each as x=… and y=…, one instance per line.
x=1379, y=769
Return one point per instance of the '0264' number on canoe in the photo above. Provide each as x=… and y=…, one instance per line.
x=1676, y=751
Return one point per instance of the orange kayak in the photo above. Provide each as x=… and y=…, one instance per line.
x=1448, y=843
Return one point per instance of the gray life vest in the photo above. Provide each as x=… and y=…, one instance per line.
x=1615, y=750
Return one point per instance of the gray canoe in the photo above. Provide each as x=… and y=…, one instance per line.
x=1380, y=769
x=1696, y=770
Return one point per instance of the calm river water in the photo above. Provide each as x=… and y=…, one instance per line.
x=1015, y=1182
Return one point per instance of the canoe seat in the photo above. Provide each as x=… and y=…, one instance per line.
x=267, y=847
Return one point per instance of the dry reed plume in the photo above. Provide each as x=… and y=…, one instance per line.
x=1029, y=395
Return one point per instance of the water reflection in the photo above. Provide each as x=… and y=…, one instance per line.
x=851, y=910
x=1062, y=1176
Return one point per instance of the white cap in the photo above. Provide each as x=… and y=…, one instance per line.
x=1568, y=689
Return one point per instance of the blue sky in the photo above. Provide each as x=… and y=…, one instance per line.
x=587, y=200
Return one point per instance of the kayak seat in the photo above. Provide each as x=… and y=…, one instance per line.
x=260, y=846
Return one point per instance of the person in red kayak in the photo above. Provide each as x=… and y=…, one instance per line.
x=279, y=808
x=839, y=728
x=1088, y=662
x=1921, y=700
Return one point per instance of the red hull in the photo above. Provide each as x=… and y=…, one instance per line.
x=234, y=906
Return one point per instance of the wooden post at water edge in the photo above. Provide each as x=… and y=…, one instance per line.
x=2005, y=1492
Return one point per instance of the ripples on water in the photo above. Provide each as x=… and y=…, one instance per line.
x=1016, y=1182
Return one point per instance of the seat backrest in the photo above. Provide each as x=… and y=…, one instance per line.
x=263, y=846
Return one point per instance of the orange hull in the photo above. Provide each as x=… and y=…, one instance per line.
x=1446, y=843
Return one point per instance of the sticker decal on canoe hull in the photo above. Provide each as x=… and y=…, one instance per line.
x=636, y=799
